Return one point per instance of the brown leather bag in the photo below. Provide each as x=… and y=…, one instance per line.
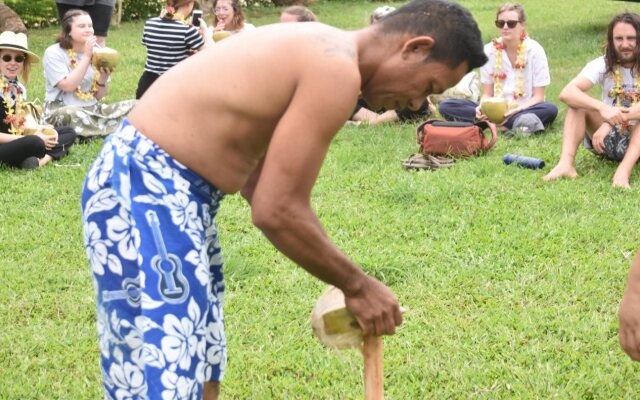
x=455, y=138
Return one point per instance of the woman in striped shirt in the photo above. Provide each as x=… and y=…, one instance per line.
x=170, y=38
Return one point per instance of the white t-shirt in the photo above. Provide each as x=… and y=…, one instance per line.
x=534, y=74
x=57, y=65
x=595, y=72
x=247, y=27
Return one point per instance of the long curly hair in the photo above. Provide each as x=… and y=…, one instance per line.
x=237, y=22
x=609, y=49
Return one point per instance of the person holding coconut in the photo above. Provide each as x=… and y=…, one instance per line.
x=517, y=71
x=24, y=143
x=74, y=86
x=228, y=19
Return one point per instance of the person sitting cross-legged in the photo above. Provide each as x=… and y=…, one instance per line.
x=74, y=86
x=517, y=71
x=19, y=147
x=607, y=127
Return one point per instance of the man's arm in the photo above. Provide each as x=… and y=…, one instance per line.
x=280, y=193
x=632, y=113
x=630, y=313
x=575, y=96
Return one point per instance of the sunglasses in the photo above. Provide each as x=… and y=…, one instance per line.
x=511, y=23
x=7, y=58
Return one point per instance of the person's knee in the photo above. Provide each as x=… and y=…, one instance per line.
x=211, y=391
x=66, y=134
x=457, y=109
x=447, y=109
x=552, y=109
x=35, y=145
x=446, y=106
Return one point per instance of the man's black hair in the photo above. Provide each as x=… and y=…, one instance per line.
x=456, y=34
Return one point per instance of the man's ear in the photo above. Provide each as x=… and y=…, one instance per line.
x=418, y=47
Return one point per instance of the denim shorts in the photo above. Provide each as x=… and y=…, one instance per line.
x=153, y=248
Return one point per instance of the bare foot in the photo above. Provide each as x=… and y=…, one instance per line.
x=621, y=180
x=42, y=161
x=560, y=171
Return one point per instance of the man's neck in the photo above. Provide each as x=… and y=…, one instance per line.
x=369, y=52
x=626, y=65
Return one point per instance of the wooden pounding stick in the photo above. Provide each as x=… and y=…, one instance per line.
x=373, y=370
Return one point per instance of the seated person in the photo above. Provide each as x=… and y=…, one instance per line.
x=169, y=40
x=468, y=88
x=228, y=17
x=297, y=14
x=363, y=114
x=607, y=126
x=17, y=149
x=73, y=86
x=517, y=71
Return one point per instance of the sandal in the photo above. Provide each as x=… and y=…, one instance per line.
x=427, y=161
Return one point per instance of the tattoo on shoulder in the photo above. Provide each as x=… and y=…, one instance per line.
x=333, y=47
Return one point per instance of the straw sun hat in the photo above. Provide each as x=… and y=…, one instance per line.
x=17, y=41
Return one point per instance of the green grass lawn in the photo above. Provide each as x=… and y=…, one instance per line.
x=512, y=283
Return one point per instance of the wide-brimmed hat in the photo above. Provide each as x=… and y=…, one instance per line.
x=17, y=41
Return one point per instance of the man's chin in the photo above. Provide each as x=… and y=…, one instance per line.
x=373, y=104
x=627, y=60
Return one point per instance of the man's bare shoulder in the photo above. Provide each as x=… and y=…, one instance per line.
x=296, y=54
x=324, y=52
x=298, y=41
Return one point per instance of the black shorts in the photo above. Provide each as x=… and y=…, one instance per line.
x=100, y=15
x=615, y=145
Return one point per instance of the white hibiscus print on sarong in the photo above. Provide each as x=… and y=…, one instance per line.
x=98, y=174
x=215, y=347
x=178, y=387
x=96, y=248
x=129, y=381
x=145, y=354
x=121, y=230
x=148, y=356
x=181, y=341
x=201, y=266
x=114, y=331
x=184, y=212
x=104, y=332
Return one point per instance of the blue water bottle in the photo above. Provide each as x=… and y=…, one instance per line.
x=522, y=161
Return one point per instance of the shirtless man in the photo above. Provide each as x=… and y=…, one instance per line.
x=609, y=126
x=250, y=115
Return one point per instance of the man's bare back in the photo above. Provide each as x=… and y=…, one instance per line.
x=222, y=126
